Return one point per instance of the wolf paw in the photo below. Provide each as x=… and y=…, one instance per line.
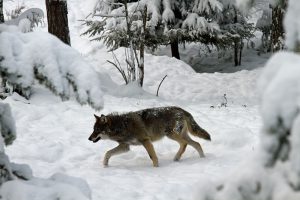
x=176, y=159
x=155, y=165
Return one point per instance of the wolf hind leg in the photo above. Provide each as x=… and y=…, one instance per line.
x=196, y=145
x=151, y=152
x=121, y=148
x=182, y=142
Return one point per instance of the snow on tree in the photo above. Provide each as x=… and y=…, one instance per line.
x=233, y=23
x=264, y=24
x=278, y=33
x=27, y=20
x=38, y=56
x=166, y=20
x=143, y=23
x=271, y=24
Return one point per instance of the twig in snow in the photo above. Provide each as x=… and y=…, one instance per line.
x=160, y=85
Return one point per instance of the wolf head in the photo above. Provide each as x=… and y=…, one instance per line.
x=101, y=128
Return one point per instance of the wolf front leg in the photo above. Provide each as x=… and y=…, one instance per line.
x=121, y=148
x=150, y=149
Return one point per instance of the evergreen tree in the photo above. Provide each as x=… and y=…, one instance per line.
x=277, y=29
x=41, y=57
x=57, y=16
x=264, y=25
x=235, y=27
x=271, y=25
x=168, y=22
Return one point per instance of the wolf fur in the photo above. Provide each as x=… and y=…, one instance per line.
x=146, y=126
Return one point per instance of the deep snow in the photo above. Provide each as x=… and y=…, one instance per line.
x=52, y=135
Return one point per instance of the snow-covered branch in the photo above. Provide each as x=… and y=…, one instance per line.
x=41, y=56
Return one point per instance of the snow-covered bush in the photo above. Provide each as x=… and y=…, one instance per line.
x=46, y=189
x=17, y=181
x=25, y=58
x=27, y=20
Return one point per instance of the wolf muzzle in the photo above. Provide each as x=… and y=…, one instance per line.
x=96, y=139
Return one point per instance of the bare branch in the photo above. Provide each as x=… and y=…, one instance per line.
x=160, y=85
x=120, y=70
x=136, y=57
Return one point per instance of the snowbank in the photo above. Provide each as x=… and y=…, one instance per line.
x=13, y=176
x=46, y=189
x=41, y=56
x=183, y=82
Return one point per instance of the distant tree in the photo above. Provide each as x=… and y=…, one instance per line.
x=191, y=21
x=271, y=23
x=236, y=29
x=277, y=27
x=168, y=22
x=1, y=12
x=57, y=16
x=264, y=24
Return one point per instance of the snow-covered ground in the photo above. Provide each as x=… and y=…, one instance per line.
x=52, y=136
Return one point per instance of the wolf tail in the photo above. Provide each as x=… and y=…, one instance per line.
x=195, y=129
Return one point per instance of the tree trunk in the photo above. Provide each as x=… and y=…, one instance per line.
x=277, y=28
x=142, y=49
x=236, y=53
x=174, y=49
x=1, y=12
x=57, y=16
x=237, y=44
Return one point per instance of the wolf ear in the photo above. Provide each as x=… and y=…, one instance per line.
x=103, y=119
x=97, y=117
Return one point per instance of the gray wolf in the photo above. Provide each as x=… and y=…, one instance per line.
x=146, y=126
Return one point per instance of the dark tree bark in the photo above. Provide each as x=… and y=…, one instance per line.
x=174, y=42
x=141, y=63
x=175, y=50
x=238, y=47
x=57, y=16
x=1, y=12
x=277, y=28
